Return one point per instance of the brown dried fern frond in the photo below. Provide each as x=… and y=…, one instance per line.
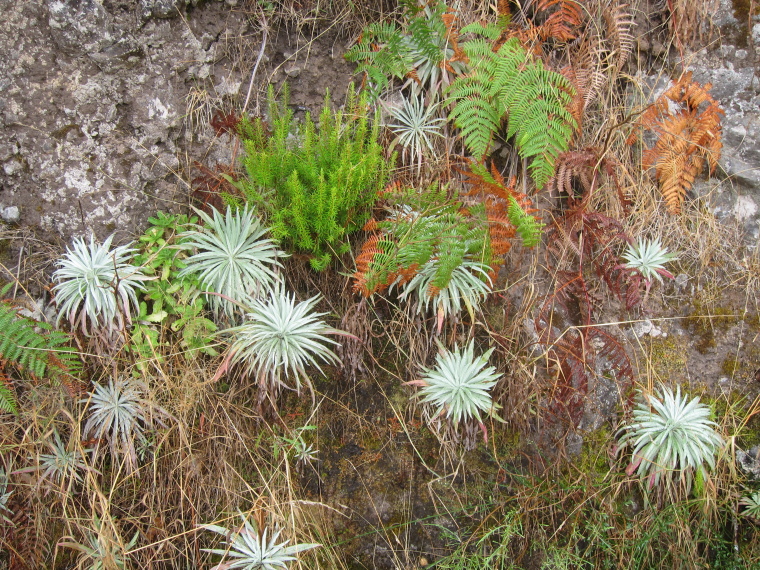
x=575, y=345
x=619, y=22
x=581, y=171
x=686, y=119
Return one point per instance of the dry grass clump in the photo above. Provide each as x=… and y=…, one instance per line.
x=210, y=459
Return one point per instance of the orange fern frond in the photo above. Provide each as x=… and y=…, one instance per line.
x=452, y=34
x=686, y=119
x=676, y=173
x=433, y=290
x=366, y=256
x=563, y=22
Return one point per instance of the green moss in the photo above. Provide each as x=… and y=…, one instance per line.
x=730, y=366
x=668, y=356
x=705, y=321
x=593, y=458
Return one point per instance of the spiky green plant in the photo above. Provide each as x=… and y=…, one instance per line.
x=281, y=336
x=304, y=453
x=415, y=121
x=233, y=258
x=751, y=504
x=61, y=465
x=251, y=549
x=648, y=257
x=5, y=496
x=101, y=549
x=119, y=413
x=97, y=284
x=672, y=438
x=459, y=385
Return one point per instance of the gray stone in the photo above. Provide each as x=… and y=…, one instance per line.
x=647, y=328
x=160, y=8
x=93, y=109
x=11, y=214
x=749, y=461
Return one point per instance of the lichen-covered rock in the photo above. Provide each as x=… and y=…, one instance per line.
x=92, y=117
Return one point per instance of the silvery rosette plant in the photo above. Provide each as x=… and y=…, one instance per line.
x=102, y=550
x=671, y=438
x=119, y=412
x=469, y=285
x=96, y=286
x=5, y=496
x=279, y=339
x=247, y=548
x=459, y=386
x=415, y=124
x=648, y=259
x=62, y=466
x=232, y=258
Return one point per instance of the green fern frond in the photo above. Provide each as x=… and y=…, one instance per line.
x=478, y=120
x=489, y=30
x=381, y=54
x=8, y=401
x=34, y=348
x=527, y=226
x=510, y=84
x=427, y=229
x=416, y=52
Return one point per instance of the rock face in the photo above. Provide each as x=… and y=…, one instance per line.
x=94, y=108
x=730, y=65
x=105, y=103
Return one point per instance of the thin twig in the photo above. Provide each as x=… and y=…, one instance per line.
x=258, y=61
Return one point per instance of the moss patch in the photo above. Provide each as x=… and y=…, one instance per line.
x=667, y=357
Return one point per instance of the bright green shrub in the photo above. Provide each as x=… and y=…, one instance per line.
x=316, y=185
